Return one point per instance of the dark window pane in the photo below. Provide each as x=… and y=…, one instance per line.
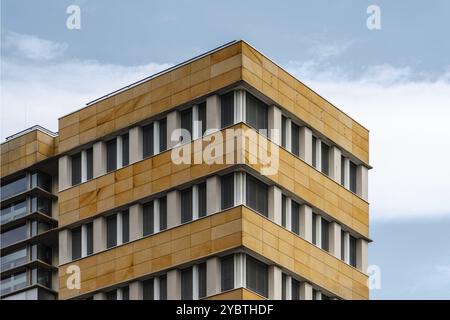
x=325, y=235
x=202, y=116
x=163, y=287
x=227, y=191
x=111, y=231
x=295, y=289
x=314, y=226
x=14, y=235
x=256, y=113
x=162, y=213
x=90, y=238
x=325, y=158
x=125, y=226
x=148, y=289
x=202, y=199
x=256, y=275
x=283, y=210
x=283, y=286
x=227, y=109
x=186, y=284
x=227, y=273
x=162, y=135
x=111, y=295
x=202, y=280
x=148, y=219
x=342, y=170
x=315, y=294
x=342, y=245
x=89, y=163
x=111, y=155
x=186, y=205
x=295, y=136
x=353, y=169
x=147, y=140
x=76, y=169
x=14, y=187
x=256, y=194
x=76, y=243
x=295, y=221
x=283, y=131
x=353, y=251
x=126, y=293
x=186, y=122
x=125, y=149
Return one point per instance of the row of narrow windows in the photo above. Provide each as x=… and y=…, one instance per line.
x=235, y=271
x=255, y=195
x=193, y=119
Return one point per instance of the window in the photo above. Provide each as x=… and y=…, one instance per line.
x=353, y=169
x=256, y=113
x=76, y=243
x=314, y=152
x=41, y=252
x=13, y=282
x=343, y=245
x=148, y=289
x=325, y=158
x=202, y=280
x=17, y=186
x=283, y=131
x=283, y=210
x=41, y=204
x=147, y=140
x=111, y=295
x=148, y=218
x=111, y=231
x=325, y=235
x=295, y=221
x=14, y=235
x=14, y=259
x=315, y=294
x=352, y=251
x=14, y=211
x=202, y=117
x=125, y=293
x=227, y=109
x=162, y=135
x=111, y=155
x=256, y=193
x=76, y=169
x=342, y=170
x=256, y=276
x=89, y=164
x=41, y=180
x=186, y=205
x=125, y=226
x=163, y=287
x=295, y=289
x=283, y=286
x=186, y=122
x=227, y=191
x=295, y=139
x=186, y=284
x=227, y=273
x=125, y=149
x=202, y=199
x=163, y=213
x=90, y=238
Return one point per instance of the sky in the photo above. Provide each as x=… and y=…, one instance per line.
x=394, y=80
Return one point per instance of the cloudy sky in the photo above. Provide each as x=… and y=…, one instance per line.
x=395, y=81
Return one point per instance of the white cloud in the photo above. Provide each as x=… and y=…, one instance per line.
x=409, y=132
x=32, y=47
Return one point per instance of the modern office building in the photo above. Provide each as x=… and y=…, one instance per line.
x=266, y=198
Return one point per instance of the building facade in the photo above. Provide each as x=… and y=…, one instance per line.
x=263, y=197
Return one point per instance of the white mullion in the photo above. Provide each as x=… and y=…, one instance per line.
x=119, y=228
x=156, y=137
x=239, y=103
x=239, y=270
x=196, y=129
x=288, y=134
x=119, y=149
x=156, y=215
x=195, y=206
x=83, y=240
x=119, y=294
x=289, y=213
x=347, y=173
x=156, y=285
x=318, y=154
x=83, y=166
x=347, y=247
x=195, y=289
x=288, y=286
